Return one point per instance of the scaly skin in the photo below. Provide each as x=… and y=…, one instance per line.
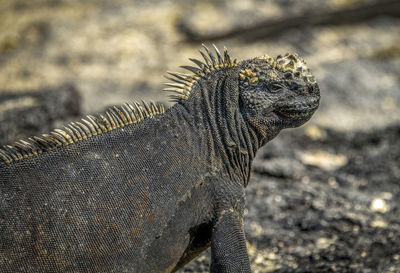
x=150, y=196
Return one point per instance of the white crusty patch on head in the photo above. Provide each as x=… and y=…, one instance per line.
x=292, y=63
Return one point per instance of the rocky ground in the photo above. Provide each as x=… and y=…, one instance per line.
x=322, y=198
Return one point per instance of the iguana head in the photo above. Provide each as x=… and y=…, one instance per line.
x=271, y=93
x=277, y=91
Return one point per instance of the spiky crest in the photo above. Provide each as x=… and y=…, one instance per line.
x=181, y=84
x=115, y=117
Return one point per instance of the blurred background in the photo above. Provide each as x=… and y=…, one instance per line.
x=324, y=197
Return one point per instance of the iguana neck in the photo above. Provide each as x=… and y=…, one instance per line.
x=214, y=103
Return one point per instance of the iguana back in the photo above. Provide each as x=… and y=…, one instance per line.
x=143, y=190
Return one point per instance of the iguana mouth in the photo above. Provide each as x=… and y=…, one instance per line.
x=297, y=110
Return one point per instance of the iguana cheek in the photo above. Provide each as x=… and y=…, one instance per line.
x=257, y=101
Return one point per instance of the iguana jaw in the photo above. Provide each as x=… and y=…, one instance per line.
x=296, y=110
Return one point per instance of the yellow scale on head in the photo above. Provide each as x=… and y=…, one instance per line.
x=248, y=73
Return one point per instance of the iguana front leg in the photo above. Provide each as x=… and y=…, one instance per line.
x=228, y=244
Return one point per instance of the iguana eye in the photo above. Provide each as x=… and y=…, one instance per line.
x=275, y=87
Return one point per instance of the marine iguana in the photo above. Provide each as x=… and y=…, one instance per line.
x=141, y=189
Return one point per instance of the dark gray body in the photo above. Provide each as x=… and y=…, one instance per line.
x=151, y=196
x=112, y=202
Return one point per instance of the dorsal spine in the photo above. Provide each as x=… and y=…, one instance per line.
x=115, y=117
x=181, y=83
